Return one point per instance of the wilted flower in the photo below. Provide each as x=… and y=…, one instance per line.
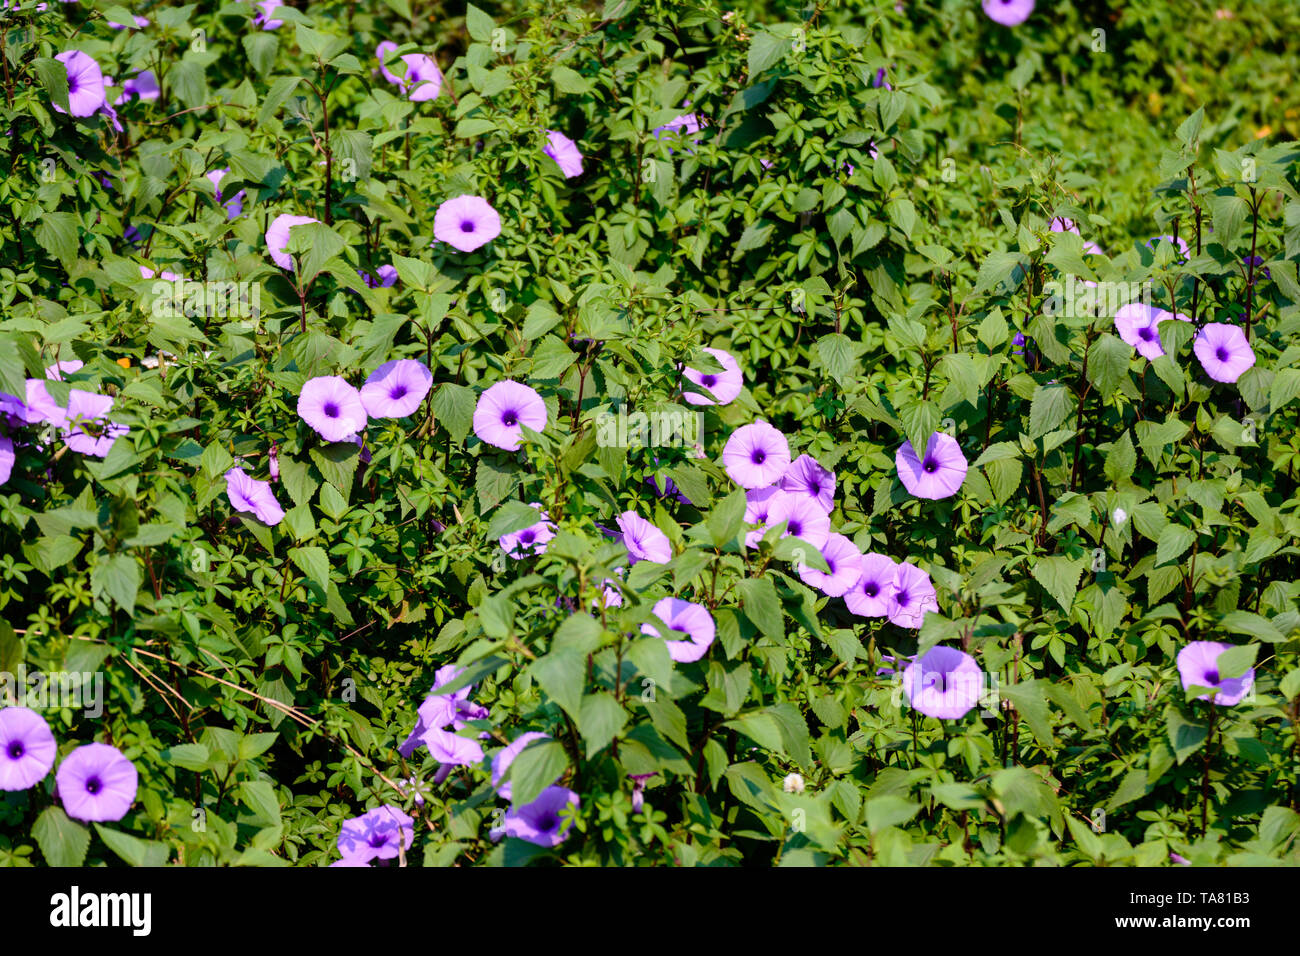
x=506, y=756
x=869, y=596
x=937, y=475
x=27, y=746
x=694, y=620
x=503, y=409
x=565, y=152
x=756, y=455
x=466, y=223
x=806, y=477
x=911, y=596
x=540, y=822
x=277, y=238
x=845, y=561
x=644, y=542
x=332, y=408
x=85, y=84
x=1198, y=666
x=379, y=834
x=396, y=388
x=1009, y=13
x=249, y=494
x=944, y=683
x=1223, y=350
x=96, y=783
x=724, y=386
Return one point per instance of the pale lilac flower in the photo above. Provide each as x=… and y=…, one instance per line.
x=688, y=123
x=944, y=683
x=264, y=18
x=382, y=53
x=466, y=222
x=911, y=596
x=441, y=709
x=380, y=834
x=756, y=455
x=332, y=408
x=693, y=620
x=803, y=518
x=140, y=23
x=939, y=474
x=85, y=84
x=1152, y=243
x=565, y=152
x=40, y=406
x=423, y=78
x=1139, y=325
x=869, y=595
x=503, y=409
x=530, y=540
x=724, y=386
x=249, y=494
x=1198, y=666
x=806, y=477
x=96, y=783
x=396, y=388
x=644, y=542
x=277, y=238
x=506, y=756
x=845, y=561
x=235, y=204
x=451, y=749
x=86, y=428
x=27, y=746
x=385, y=277
x=1009, y=13
x=765, y=507
x=273, y=461
x=6, y=461
x=1223, y=350
x=540, y=822
x=143, y=86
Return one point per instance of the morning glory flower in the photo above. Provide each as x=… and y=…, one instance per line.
x=565, y=152
x=385, y=277
x=644, y=542
x=264, y=18
x=725, y=386
x=765, y=507
x=332, y=408
x=1223, y=350
x=277, y=238
x=911, y=596
x=944, y=683
x=939, y=474
x=379, y=834
x=423, y=78
x=466, y=222
x=249, y=494
x=1139, y=326
x=502, y=409
x=451, y=749
x=140, y=23
x=27, y=747
x=143, y=86
x=845, y=562
x=6, y=459
x=539, y=822
x=806, y=477
x=530, y=540
x=86, y=428
x=382, y=53
x=96, y=783
x=669, y=490
x=1009, y=13
x=396, y=388
x=85, y=84
x=235, y=204
x=869, y=595
x=694, y=620
x=1198, y=666
x=756, y=455
x=442, y=709
x=803, y=518
x=506, y=756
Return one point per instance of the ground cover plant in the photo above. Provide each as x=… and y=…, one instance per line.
x=649, y=433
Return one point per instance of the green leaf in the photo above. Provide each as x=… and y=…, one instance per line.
x=1059, y=576
x=838, y=357
x=57, y=234
x=600, y=718
x=63, y=842
x=920, y=420
x=453, y=406
x=118, y=576
x=562, y=675
x=1108, y=361
x=536, y=767
x=765, y=50
x=1050, y=407
x=314, y=563
x=259, y=798
x=1121, y=459
x=133, y=850
x=1235, y=661
x=1173, y=541
x=762, y=606
x=478, y=24
x=1029, y=700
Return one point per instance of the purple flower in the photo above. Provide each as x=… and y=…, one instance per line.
x=945, y=683
x=379, y=834
x=41, y=407
x=644, y=542
x=540, y=821
x=235, y=204
x=1198, y=666
x=565, y=152
x=1223, y=350
x=332, y=407
x=1009, y=13
x=85, y=84
x=96, y=783
x=807, y=478
x=249, y=494
x=939, y=474
x=803, y=518
x=911, y=596
x=277, y=238
x=85, y=427
x=264, y=18
x=638, y=789
x=869, y=596
x=466, y=222
x=1138, y=325
x=6, y=459
x=724, y=386
x=385, y=276
x=452, y=749
x=694, y=620
x=273, y=461
x=143, y=86
x=396, y=388
x=27, y=748
x=503, y=409
x=687, y=123
x=382, y=53
x=765, y=507
x=669, y=490
x=1179, y=243
x=845, y=562
x=423, y=78
x=140, y=23
x=442, y=709
x=880, y=81
x=756, y=455
x=530, y=540
x=506, y=756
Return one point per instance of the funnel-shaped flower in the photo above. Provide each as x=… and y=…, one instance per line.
x=845, y=562
x=756, y=455
x=332, y=408
x=27, y=748
x=396, y=388
x=694, y=620
x=249, y=494
x=944, y=683
x=466, y=223
x=96, y=783
x=725, y=386
x=1223, y=350
x=937, y=474
x=1198, y=666
x=502, y=409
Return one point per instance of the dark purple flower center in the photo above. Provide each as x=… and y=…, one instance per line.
x=930, y=466
x=1146, y=334
x=377, y=840
x=16, y=750
x=528, y=536
x=708, y=381
x=94, y=785
x=871, y=589
x=1212, y=676
x=794, y=526
x=399, y=391
x=331, y=410
x=509, y=417
x=467, y=225
x=815, y=488
x=548, y=823
x=903, y=599
x=938, y=682
x=1221, y=354
x=829, y=563
x=758, y=457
